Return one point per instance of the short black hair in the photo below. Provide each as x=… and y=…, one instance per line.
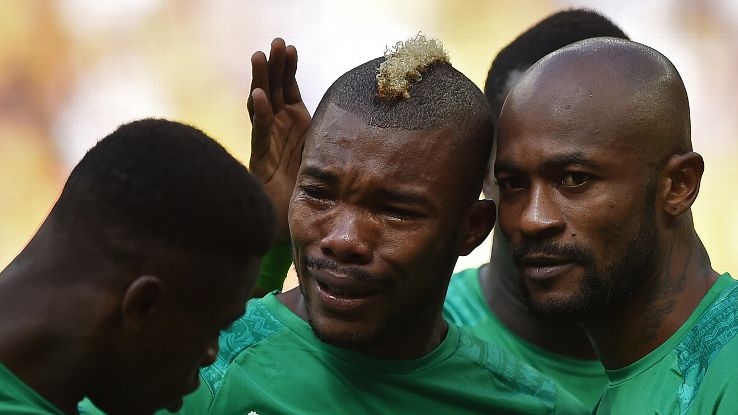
x=550, y=34
x=166, y=185
x=442, y=98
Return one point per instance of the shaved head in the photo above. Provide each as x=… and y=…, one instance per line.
x=611, y=85
x=595, y=169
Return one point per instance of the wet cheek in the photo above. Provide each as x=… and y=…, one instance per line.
x=303, y=222
x=408, y=251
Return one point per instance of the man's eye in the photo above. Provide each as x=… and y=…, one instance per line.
x=510, y=183
x=575, y=179
x=315, y=192
x=400, y=213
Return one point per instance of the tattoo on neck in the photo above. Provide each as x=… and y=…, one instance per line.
x=674, y=279
x=653, y=317
x=670, y=282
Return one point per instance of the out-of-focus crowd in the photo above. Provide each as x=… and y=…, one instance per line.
x=71, y=69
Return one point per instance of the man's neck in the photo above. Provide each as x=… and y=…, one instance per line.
x=501, y=289
x=36, y=349
x=659, y=307
x=412, y=343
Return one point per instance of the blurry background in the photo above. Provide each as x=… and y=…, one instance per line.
x=71, y=71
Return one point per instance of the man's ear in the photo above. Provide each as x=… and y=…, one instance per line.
x=682, y=182
x=141, y=301
x=480, y=221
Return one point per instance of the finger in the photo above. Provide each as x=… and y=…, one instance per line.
x=295, y=158
x=261, y=123
x=259, y=78
x=291, y=90
x=276, y=74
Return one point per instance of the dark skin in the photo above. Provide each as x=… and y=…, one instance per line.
x=362, y=200
x=499, y=280
x=277, y=168
x=30, y=346
x=69, y=310
x=501, y=289
x=279, y=121
x=578, y=149
x=361, y=203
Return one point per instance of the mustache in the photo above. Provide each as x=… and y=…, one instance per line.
x=352, y=271
x=572, y=252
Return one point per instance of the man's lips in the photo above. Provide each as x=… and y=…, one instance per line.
x=542, y=268
x=343, y=293
x=344, y=285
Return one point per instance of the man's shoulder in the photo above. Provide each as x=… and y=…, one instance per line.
x=505, y=369
x=706, y=356
x=715, y=329
x=505, y=374
x=16, y=397
x=255, y=326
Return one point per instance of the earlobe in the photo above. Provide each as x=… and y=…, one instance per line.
x=141, y=301
x=480, y=221
x=684, y=173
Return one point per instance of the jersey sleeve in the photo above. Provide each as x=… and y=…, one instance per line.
x=274, y=267
x=566, y=403
x=721, y=384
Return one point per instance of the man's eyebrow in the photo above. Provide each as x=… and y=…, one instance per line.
x=318, y=173
x=559, y=161
x=506, y=166
x=400, y=196
x=552, y=163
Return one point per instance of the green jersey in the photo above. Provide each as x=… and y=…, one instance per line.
x=270, y=362
x=467, y=307
x=695, y=371
x=19, y=399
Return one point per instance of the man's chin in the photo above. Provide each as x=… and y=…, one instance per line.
x=561, y=308
x=175, y=406
x=348, y=337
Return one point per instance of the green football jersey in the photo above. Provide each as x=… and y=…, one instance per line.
x=694, y=372
x=467, y=308
x=19, y=399
x=270, y=362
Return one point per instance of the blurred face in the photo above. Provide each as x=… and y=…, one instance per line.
x=374, y=222
x=179, y=340
x=576, y=202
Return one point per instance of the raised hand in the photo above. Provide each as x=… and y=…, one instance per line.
x=279, y=120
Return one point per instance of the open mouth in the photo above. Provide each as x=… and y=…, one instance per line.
x=346, y=293
x=345, y=301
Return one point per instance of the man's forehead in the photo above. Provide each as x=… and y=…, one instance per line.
x=569, y=108
x=341, y=130
x=335, y=121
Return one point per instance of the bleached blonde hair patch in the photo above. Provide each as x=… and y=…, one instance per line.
x=404, y=64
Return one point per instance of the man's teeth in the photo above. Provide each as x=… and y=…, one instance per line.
x=346, y=293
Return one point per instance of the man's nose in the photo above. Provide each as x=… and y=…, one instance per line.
x=541, y=217
x=345, y=241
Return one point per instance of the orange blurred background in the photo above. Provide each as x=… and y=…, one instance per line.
x=71, y=71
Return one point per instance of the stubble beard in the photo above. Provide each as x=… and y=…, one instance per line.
x=602, y=290
x=396, y=324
